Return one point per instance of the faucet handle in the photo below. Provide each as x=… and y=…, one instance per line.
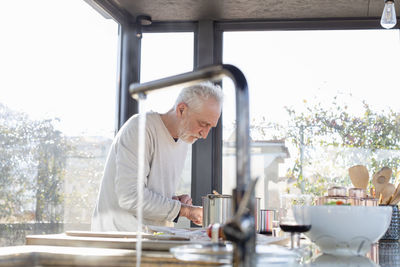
x=245, y=200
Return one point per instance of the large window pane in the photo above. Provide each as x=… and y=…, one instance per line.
x=57, y=113
x=163, y=55
x=320, y=102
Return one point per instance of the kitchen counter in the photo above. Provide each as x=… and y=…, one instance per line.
x=79, y=256
x=64, y=250
x=103, y=242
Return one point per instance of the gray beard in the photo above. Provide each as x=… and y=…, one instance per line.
x=185, y=138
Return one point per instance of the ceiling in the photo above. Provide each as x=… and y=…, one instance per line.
x=194, y=10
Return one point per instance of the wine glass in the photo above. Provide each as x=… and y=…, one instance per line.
x=294, y=216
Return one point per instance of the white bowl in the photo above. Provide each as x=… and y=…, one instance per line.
x=326, y=260
x=347, y=230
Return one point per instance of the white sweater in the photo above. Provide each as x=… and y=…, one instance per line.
x=164, y=161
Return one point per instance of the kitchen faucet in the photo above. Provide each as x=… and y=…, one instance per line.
x=241, y=230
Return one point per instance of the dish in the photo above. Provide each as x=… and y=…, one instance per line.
x=347, y=230
x=210, y=252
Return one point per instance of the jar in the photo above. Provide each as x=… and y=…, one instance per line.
x=369, y=201
x=355, y=196
x=339, y=200
x=337, y=191
x=336, y=196
x=320, y=201
x=357, y=192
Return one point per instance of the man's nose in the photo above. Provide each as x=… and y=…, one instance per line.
x=204, y=132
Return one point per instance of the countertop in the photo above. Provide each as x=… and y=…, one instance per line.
x=63, y=250
x=80, y=256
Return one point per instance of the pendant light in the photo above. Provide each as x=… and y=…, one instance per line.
x=388, y=19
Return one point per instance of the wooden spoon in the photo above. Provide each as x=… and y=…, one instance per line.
x=386, y=172
x=396, y=196
x=397, y=190
x=359, y=176
x=387, y=193
x=380, y=179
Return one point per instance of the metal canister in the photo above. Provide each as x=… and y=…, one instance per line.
x=267, y=217
x=217, y=209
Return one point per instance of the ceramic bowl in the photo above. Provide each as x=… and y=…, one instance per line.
x=347, y=230
x=326, y=260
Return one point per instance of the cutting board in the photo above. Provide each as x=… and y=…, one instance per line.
x=155, y=244
x=125, y=235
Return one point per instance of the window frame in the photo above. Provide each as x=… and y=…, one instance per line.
x=208, y=43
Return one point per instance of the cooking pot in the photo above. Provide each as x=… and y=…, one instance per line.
x=217, y=209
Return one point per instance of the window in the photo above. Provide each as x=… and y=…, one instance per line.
x=57, y=113
x=320, y=102
x=164, y=55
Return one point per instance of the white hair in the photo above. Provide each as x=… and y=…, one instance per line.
x=195, y=95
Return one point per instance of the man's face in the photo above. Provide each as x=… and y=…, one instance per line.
x=196, y=124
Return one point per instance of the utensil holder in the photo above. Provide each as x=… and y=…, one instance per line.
x=389, y=253
x=393, y=232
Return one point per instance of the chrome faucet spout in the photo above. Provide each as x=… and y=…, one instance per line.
x=244, y=253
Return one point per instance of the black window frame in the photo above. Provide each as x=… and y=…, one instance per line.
x=208, y=43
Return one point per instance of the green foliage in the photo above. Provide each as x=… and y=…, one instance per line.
x=32, y=161
x=330, y=139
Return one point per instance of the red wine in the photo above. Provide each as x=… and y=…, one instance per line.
x=295, y=228
x=266, y=232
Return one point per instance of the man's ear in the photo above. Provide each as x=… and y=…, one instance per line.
x=181, y=109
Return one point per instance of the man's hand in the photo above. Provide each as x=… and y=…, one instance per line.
x=193, y=213
x=184, y=199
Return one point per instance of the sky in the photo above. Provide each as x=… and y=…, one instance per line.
x=287, y=68
x=58, y=56
x=163, y=55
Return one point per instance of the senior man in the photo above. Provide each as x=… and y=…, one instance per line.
x=196, y=110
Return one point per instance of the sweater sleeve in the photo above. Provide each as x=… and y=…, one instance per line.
x=155, y=206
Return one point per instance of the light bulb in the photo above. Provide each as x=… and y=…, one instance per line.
x=388, y=19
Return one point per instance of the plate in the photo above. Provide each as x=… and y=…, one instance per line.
x=214, y=252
